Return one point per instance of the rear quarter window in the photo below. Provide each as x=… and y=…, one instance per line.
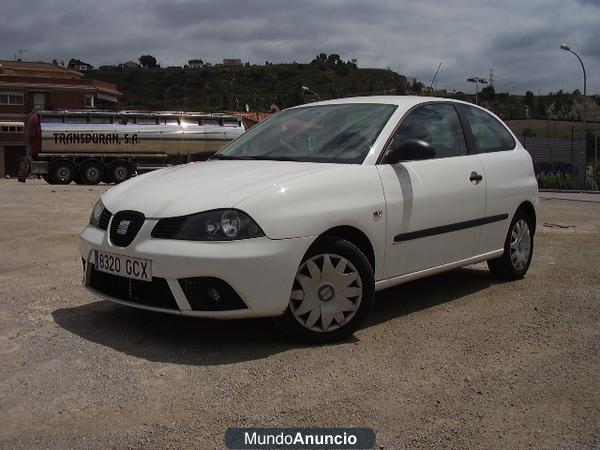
x=489, y=135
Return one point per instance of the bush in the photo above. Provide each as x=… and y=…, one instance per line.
x=556, y=176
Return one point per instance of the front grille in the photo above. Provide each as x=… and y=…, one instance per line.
x=155, y=293
x=104, y=219
x=210, y=294
x=167, y=228
x=125, y=226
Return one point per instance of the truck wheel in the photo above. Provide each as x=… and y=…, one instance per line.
x=119, y=171
x=91, y=172
x=62, y=172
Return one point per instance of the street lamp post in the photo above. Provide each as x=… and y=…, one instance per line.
x=477, y=81
x=567, y=47
x=304, y=88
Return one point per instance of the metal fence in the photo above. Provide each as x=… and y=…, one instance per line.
x=554, y=149
x=560, y=155
x=558, y=163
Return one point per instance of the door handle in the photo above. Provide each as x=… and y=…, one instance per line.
x=475, y=178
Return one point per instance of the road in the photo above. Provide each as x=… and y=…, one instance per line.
x=458, y=360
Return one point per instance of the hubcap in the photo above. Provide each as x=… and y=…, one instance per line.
x=120, y=173
x=64, y=173
x=520, y=244
x=92, y=173
x=327, y=293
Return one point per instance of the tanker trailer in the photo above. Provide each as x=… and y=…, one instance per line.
x=93, y=146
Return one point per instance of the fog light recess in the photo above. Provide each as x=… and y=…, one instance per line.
x=210, y=294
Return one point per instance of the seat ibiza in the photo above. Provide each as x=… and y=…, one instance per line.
x=305, y=216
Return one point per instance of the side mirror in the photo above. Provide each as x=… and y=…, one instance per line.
x=411, y=150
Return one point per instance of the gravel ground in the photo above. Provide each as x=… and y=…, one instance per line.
x=457, y=360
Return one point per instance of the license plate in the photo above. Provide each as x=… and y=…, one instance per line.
x=123, y=266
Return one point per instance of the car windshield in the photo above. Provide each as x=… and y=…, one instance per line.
x=325, y=133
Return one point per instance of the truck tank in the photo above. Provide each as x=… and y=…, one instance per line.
x=92, y=146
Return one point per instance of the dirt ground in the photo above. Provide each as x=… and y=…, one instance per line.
x=457, y=360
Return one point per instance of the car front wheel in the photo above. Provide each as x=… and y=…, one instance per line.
x=332, y=293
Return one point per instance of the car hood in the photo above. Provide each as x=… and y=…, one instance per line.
x=202, y=186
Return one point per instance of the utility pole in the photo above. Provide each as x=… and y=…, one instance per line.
x=20, y=55
x=491, y=77
x=581, y=177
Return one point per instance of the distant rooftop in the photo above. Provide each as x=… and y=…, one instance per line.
x=36, y=69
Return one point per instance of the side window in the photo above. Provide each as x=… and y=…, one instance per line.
x=436, y=124
x=489, y=134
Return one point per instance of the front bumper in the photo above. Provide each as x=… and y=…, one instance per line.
x=261, y=271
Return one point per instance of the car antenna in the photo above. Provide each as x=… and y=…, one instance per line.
x=433, y=80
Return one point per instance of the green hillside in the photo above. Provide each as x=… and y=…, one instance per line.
x=219, y=88
x=226, y=88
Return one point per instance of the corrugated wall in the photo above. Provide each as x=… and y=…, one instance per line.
x=554, y=149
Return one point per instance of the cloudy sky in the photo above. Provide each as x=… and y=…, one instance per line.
x=519, y=39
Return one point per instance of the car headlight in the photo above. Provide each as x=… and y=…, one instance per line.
x=96, y=213
x=216, y=225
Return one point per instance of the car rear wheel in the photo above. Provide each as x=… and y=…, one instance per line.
x=333, y=291
x=518, y=249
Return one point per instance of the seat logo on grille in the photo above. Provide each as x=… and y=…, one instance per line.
x=123, y=227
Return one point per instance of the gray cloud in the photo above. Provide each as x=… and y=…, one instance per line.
x=519, y=40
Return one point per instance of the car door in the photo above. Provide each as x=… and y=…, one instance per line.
x=508, y=171
x=432, y=205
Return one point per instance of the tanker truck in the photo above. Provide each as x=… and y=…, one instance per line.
x=88, y=147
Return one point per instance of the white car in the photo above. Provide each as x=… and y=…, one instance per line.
x=309, y=213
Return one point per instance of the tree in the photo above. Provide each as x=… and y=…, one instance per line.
x=334, y=58
x=417, y=86
x=529, y=98
x=321, y=58
x=401, y=86
x=148, y=61
x=488, y=93
x=225, y=101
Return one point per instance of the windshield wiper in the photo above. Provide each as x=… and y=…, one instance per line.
x=251, y=158
x=226, y=157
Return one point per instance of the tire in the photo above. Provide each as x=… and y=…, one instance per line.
x=119, y=171
x=316, y=300
x=78, y=179
x=518, y=249
x=62, y=172
x=91, y=172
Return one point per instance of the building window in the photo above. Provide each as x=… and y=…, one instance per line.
x=89, y=101
x=11, y=129
x=12, y=98
x=39, y=101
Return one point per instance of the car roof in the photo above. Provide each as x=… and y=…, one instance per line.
x=404, y=101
